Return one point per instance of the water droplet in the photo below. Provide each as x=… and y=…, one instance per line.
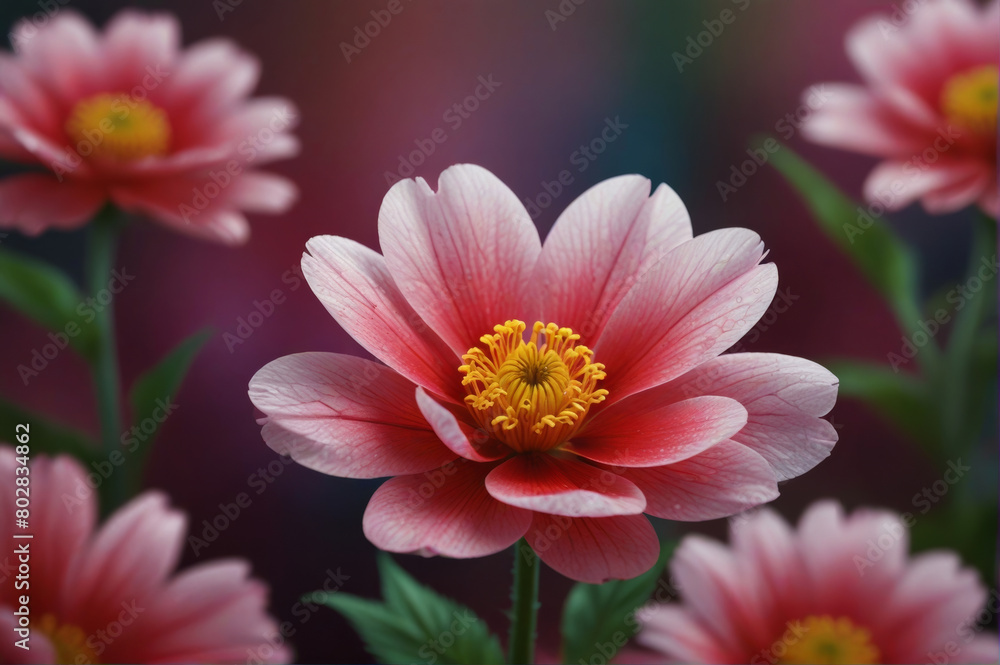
x=756, y=290
x=739, y=300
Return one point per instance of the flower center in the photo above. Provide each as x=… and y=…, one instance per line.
x=118, y=127
x=969, y=99
x=531, y=395
x=69, y=641
x=823, y=640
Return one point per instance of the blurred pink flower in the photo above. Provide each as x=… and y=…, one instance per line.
x=107, y=596
x=838, y=590
x=129, y=117
x=493, y=436
x=928, y=106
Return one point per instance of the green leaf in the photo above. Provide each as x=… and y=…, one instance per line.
x=44, y=435
x=414, y=624
x=599, y=619
x=48, y=297
x=152, y=396
x=902, y=398
x=877, y=251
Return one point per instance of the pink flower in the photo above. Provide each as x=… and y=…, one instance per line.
x=130, y=118
x=566, y=431
x=107, y=596
x=928, y=106
x=838, y=590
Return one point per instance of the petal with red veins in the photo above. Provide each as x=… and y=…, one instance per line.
x=355, y=286
x=34, y=202
x=595, y=549
x=456, y=435
x=611, y=233
x=724, y=480
x=447, y=511
x=563, y=486
x=637, y=433
x=345, y=416
x=695, y=303
x=462, y=256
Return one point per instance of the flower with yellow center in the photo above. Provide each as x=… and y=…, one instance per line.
x=118, y=128
x=823, y=640
x=969, y=99
x=534, y=395
x=69, y=641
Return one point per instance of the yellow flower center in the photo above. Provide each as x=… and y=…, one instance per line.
x=969, y=99
x=823, y=640
x=118, y=127
x=69, y=641
x=531, y=395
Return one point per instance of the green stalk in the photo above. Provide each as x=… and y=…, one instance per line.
x=524, y=614
x=101, y=247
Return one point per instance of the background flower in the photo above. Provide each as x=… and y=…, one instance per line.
x=928, y=105
x=131, y=118
x=836, y=590
x=616, y=407
x=108, y=595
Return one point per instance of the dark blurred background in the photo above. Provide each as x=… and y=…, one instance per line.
x=559, y=82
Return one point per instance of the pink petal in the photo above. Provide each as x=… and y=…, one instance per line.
x=136, y=43
x=344, y=416
x=638, y=432
x=568, y=487
x=960, y=195
x=463, y=256
x=446, y=511
x=130, y=556
x=260, y=192
x=681, y=637
x=784, y=396
x=851, y=118
x=688, y=308
x=355, y=286
x=897, y=184
x=35, y=107
x=34, y=202
x=210, y=77
x=606, y=238
x=456, y=435
x=724, y=480
x=595, y=549
x=64, y=55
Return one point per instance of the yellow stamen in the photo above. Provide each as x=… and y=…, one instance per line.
x=969, y=99
x=118, y=127
x=69, y=641
x=531, y=395
x=823, y=640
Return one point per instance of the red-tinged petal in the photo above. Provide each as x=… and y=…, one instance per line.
x=897, y=184
x=355, y=286
x=563, y=486
x=961, y=194
x=605, y=238
x=345, y=416
x=65, y=55
x=784, y=397
x=595, y=549
x=678, y=634
x=35, y=106
x=724, y=480
x=210, y=78
x=638, y=433
x=462, y=256
x=131, y=555
x=136, y=45
x=688, y=308
x=266, y=193
x=34, y=202
x=456, y=435
x=447, y=511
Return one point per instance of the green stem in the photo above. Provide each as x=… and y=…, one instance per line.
x=104, y=368
x=956, y=429
x=524, y=614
